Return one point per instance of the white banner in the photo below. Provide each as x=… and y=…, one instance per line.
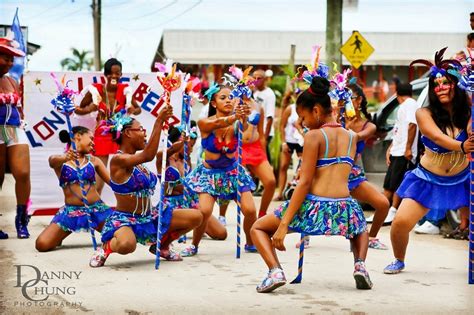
x=44, y=124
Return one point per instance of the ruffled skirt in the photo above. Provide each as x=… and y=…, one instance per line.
x=326, y=216
x=435, y=192
x=219, y=183
x=143, y=226
x=75, y=218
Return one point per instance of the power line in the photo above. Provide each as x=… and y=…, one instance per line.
x=64, y=16
x=146, y=14
x=47, y=10
x=116, y=4
x=170, y=19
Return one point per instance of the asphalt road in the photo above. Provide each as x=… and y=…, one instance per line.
x=214, y=282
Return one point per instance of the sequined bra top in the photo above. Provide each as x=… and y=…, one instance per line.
x=254, y=118
x=327, y=161
x=430, y=145
x=141, y=183
x=212, y=144
x=69, y=174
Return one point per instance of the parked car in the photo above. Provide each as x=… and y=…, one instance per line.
x=373, y=157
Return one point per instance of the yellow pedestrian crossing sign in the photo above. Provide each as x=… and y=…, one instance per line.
x=357, y=49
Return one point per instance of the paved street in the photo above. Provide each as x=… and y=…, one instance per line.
x=214, y=282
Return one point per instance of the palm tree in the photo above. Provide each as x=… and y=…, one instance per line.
x=80, y=61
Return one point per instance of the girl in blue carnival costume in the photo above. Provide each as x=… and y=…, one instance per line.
x=217, y=177
x=133, y=184
x=321, y=203
x=444, y=169
x=14, y=148
x=177, y=200
x=72, y=217
x=360, y=188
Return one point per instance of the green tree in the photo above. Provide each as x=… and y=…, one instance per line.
x=80, y=61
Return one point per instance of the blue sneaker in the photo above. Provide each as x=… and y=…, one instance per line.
x=250, y=249
x=395, y=267
x=3, y=235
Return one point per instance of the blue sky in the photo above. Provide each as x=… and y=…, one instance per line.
x=131, y=29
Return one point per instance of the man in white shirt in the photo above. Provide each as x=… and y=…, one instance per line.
x=266, y=97
x=401, y=154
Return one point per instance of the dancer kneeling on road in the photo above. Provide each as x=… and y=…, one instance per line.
x=219, y=175
x=133, y=184
x=321, y=203
x=73, y=216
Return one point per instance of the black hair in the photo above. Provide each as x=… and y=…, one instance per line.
x=193, y=123
x=316, y=94
x=212, y=110
x=109, y=64
x=64, y=136
x=461, y=108
x=173, y=134
x=404, y=89
x=117, y=136
x=470, y=36
x=363, y=105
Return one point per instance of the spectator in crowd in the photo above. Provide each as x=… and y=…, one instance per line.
x=267, y=99
x=402, y=152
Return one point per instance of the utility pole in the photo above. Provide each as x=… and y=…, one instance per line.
x=333, y=32
x=291, y=65
x=97, y=15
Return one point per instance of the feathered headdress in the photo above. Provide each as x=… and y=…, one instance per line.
x=340, y=90
x=314, y=69
x=213, y=89
x=115, y=124
x=440, y=67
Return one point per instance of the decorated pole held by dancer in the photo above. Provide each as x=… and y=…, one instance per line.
x=64, y=104
x=241, y=81
x=170, y=83
x=466, y=82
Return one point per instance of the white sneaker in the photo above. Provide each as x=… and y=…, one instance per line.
x=390, y=216
x=427, y=228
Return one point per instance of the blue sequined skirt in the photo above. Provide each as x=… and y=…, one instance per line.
x=143, y=226
x=326, y=216
x=435, y=192
x=75, y=219
x=356, y=177
x=219, y=183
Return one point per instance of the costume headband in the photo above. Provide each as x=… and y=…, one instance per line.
x=440, y=67
x=213, y=89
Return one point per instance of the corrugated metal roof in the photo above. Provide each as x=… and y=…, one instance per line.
x=273, y=47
